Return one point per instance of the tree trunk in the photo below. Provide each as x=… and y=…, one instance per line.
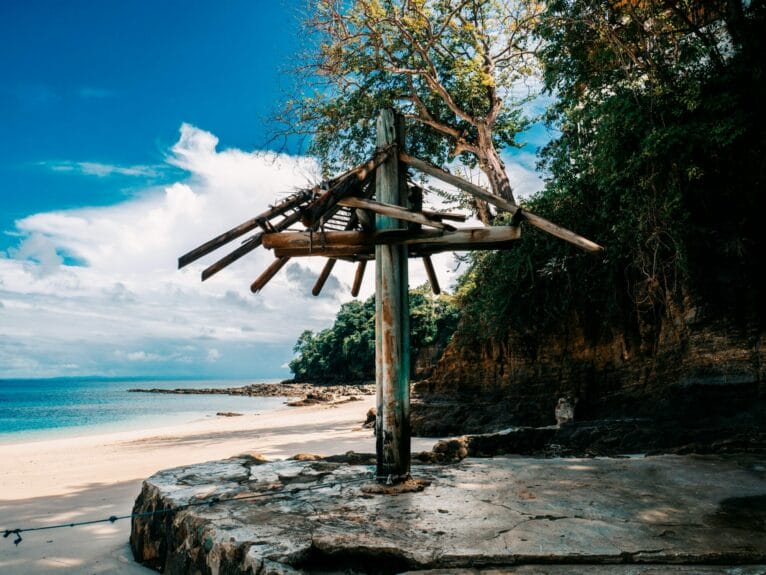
x=491, y=164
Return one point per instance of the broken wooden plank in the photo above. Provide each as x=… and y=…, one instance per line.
x=230, y=258
x=358, y=276
x=473, y=189
x=439, y=216
x=261, y=281
x=248, y=246
x=340, y=188
x=431, y=273
x=393, y=211
x=326, y=271
x=232, y=234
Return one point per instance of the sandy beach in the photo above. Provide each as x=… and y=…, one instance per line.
x=96, y=476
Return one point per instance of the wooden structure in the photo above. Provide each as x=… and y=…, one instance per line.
x=374, y=212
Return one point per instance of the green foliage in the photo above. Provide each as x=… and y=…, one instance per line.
x=346, y=351
x=453, y=69
x=660, y=159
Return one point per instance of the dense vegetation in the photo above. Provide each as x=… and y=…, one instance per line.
x=346, y=351
x=660, y=159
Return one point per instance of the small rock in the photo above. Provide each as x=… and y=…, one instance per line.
x=564, y=411
x=228, y=414
x=306, y=457
x=369, y=422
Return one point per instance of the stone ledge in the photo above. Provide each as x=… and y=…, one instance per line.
x=501, y=513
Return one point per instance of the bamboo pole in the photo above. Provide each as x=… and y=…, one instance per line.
x=392, y=366
x=502, y=203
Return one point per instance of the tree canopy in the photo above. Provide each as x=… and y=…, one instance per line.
x=454, y=68
x=346, y=351
x=659, y=158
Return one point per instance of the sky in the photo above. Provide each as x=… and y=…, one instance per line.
x=131, y=132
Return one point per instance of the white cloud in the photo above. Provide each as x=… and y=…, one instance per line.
x=127, y=309
x=101, y=170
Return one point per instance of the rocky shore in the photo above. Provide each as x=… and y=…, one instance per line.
x=300, y=394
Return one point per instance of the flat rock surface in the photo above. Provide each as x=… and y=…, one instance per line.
x=641, y=513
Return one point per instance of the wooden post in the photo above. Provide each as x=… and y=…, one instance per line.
x=392, y=360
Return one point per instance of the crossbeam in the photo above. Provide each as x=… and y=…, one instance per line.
x=482, y=194
x=334, y=244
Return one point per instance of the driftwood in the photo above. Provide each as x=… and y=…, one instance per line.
x=499, y=202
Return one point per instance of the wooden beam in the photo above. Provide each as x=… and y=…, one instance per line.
x=326, y=271
x=247, y=247
x=502, y=203
x=393, y=211
x=232, y=234
x=312, y=243
x=431, y=273
x=439, y=216
x=261, y=281
x=392, y=350
x=231, y=257
x=342, y=187
x=360, y=267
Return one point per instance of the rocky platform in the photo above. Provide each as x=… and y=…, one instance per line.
x=664, y=514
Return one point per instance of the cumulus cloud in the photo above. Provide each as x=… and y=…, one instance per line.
x=126, y=294
x=124, y=308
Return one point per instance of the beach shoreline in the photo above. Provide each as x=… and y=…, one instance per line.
x=95, y=476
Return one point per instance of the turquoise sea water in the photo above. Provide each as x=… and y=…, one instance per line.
x=32, y=409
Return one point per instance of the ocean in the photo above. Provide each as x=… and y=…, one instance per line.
x=36, y=409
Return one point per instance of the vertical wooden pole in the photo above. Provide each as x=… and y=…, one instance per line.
x=392, y=353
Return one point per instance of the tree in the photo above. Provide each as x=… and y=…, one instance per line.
x=346, y=351
x=662, y=135
x=453, y=68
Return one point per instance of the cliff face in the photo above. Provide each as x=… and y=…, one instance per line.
x=687, y=367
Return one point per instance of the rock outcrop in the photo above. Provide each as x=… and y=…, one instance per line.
x=242, y=516
x=688, y=368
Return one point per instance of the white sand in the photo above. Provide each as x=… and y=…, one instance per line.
x=92, y=477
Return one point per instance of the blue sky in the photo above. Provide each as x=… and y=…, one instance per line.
x=131, y=132
x=111, y=82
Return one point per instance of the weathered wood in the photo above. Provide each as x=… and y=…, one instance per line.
x=439, y=216
x=394, y=212
x=248, y=246
x=268, y=273
x=392, y=365
x=473, y=189
x=326, y=271
x=232, y=234
x=312, y=243
x=358, y=276
x=231, y=257
x=431, y=273
x=341, y=187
